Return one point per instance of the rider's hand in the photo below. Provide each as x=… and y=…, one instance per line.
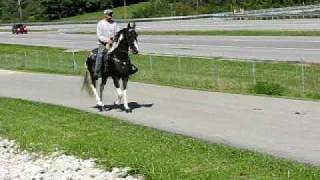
x=109, y=41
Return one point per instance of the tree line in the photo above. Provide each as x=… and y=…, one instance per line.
x=36, y=10
x=39, y=10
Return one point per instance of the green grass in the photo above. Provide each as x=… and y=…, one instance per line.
x=118, y=13
x=155, y=154
x=234, y=33
x=217, y=74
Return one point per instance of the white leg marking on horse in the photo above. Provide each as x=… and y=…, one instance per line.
x=125, y=99
x=101, y=92
x=96, y=95
x=119, y=95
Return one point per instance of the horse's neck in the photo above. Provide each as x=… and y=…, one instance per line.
x=121, y=51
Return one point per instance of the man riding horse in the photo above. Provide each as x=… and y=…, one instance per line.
x=114, y=63
x=106, y=31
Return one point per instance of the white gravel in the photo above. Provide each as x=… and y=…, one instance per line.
x=16, y=164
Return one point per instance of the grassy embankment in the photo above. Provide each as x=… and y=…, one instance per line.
x=155, y=154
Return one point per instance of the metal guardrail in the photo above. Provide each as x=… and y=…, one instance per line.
x=262, y=11
x=275, y=17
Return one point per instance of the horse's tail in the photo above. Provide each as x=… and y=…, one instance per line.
x=87, y=81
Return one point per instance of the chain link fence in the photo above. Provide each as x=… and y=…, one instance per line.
x=246, y=77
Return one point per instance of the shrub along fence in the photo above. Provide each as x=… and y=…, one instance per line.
x=296, y=80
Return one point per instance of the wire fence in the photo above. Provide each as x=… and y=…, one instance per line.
x=64, y=62
x=284, y=79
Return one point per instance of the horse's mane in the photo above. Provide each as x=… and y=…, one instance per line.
x=116, y=38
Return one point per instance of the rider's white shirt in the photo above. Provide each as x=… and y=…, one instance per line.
x=106, y=30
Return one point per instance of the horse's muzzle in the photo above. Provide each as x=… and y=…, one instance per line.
x=134, y=50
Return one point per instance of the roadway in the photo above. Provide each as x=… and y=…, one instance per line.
x=198, y=24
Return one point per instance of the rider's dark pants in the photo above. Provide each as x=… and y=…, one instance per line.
x=99, y=60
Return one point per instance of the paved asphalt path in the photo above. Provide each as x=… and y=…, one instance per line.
x=261, y=48
x=285, y=128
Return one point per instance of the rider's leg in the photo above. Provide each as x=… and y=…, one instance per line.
x=99, y=60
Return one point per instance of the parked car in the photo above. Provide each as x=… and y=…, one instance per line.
x=19, y=28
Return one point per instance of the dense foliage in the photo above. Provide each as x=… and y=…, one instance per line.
x=35, y=10
x=191, y=7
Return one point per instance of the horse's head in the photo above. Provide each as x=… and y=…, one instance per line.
x=132, y=38
x=126, y=39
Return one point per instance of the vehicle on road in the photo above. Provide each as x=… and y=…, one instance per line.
x=19, y=29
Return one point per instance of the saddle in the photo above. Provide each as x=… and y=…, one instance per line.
x=114, y=66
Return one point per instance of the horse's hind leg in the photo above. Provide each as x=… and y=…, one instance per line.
x=118, y=90
x=125, y=98
x=103, y=83
x=94, y=90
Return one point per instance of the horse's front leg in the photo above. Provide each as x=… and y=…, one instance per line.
x=125, y=98
x=116, y=82
x=102, y=85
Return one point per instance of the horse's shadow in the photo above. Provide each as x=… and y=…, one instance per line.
x=132, y=106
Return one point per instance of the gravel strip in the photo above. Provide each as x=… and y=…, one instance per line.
x=16, y=164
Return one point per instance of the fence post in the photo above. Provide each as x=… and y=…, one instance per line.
x=16, y=63
x=302, y=78
x=216, y=73
x=254, y=73
x=48, y=61
x=37, y=59
x=179, y=64
x=6, y=59
x=25, y=59
x=151, y=63
x=74, y=62
x=61, y=61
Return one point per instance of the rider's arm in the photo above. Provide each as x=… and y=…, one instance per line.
x=115, y=30
x=99, y=33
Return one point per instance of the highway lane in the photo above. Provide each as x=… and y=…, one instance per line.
x=197, y=24
x=259, y=48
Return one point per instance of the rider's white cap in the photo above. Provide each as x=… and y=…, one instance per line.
x=108, y=12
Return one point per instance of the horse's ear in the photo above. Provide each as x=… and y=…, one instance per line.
x=131, y=25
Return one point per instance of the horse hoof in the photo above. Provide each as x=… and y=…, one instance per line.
x=100, y=108
x=116, y=106
x=128, y=110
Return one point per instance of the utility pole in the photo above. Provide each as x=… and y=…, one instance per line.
x=20, y=9
x=125, y=12
x=175, y=8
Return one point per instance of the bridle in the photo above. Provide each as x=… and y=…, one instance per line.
x=127, y=39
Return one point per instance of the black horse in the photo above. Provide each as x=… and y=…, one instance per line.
x=119, y=67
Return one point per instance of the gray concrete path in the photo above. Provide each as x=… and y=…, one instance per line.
x=286, y=128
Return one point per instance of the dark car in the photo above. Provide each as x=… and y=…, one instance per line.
x=19, y=28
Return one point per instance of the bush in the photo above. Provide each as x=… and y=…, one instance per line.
x=268, y=88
